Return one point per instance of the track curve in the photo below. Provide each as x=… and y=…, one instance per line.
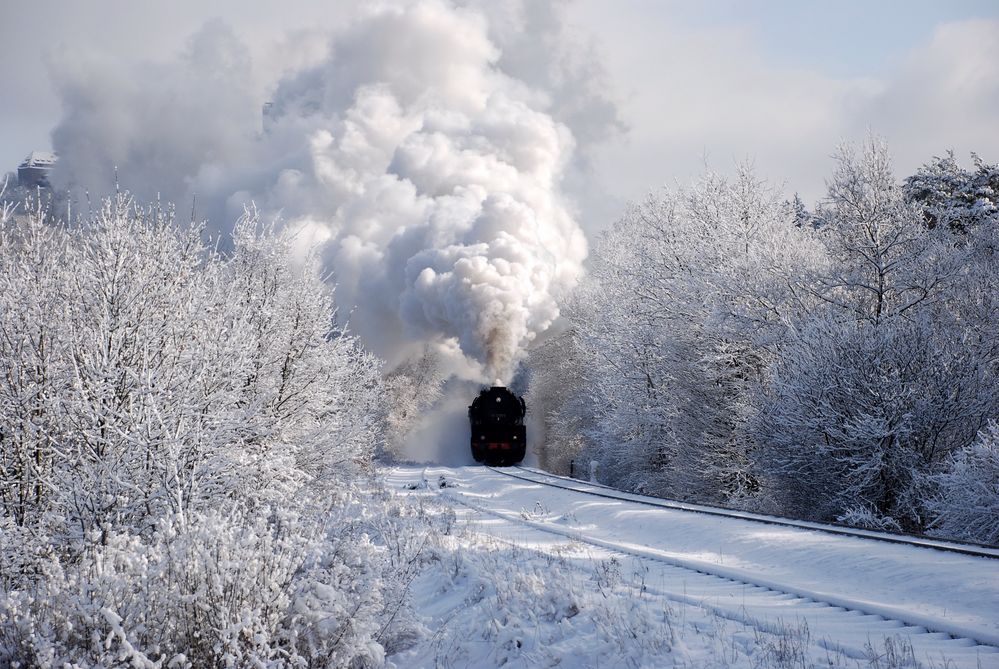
x=598, y=490
x=843, y=610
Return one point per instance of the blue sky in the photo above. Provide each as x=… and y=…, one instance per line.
x=844, y=38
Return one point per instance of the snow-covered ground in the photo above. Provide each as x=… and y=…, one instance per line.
x=540, y=576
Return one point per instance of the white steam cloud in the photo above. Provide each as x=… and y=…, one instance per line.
x=419, y=150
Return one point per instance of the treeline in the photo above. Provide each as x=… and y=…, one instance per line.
x=731, y=347
x=184, y=437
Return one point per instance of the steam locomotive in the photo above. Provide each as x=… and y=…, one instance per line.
x=498, y=433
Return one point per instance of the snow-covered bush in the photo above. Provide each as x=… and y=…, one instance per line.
x=868, y=518
x=148, y=375
x=183, y=434
x=966, y=503
x=853, y=413
x=245, y=588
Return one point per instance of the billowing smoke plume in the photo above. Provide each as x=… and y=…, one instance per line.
x=440, y=180
x=420, y=150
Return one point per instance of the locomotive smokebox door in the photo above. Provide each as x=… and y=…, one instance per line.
x=499, y=436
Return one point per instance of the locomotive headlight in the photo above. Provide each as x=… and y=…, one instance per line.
x=515, y=437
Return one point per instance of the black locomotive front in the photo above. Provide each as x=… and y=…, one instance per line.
x=498, y=433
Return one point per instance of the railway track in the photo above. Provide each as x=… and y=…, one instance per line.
x=565, y=483
x=763, y=602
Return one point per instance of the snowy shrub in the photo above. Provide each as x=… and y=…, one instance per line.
x=868, y=518
x=182, y=439
x=966, y=503
x=853, y=413
x=147, y=375
x=239, y=589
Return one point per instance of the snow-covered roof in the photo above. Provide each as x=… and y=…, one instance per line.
x=40, y=159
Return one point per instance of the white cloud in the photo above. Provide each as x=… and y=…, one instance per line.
x=713, y=92
x=945, y=95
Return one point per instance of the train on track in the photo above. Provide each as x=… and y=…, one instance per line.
x=499, y=436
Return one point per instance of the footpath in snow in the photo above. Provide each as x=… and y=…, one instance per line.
x=608, y=582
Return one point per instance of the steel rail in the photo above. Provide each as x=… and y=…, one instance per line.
x=927, y=624
x=964, y=548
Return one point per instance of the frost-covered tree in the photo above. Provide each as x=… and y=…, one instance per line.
x=181, y=438
x=560, y=394
x=953, y=197
x=731, y=347
x=7, y=206
x=966, y=500
x=884, y=260
x=966, y=203
x=149, y=374
x=888, y=377
x=853, y=413
x=309, y=391
x=688, y=295
x=411, y=390
x=35, y=365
